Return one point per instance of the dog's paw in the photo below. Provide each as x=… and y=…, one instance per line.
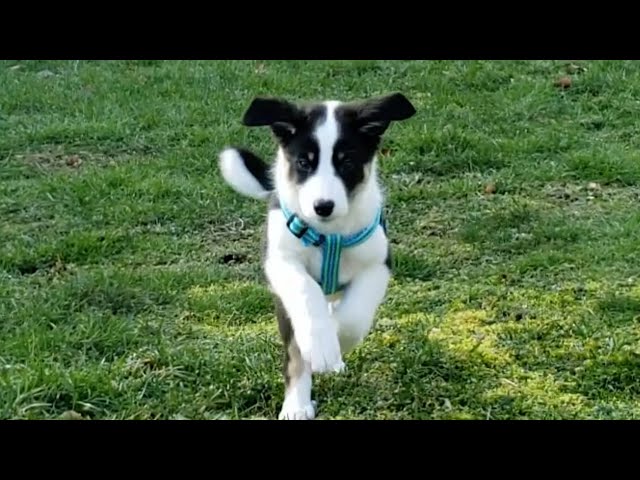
x=326, y=356
x=295, y=411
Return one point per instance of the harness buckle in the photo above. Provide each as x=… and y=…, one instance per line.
x=299, y=234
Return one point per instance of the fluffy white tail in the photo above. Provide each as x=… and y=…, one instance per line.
x=245, y=172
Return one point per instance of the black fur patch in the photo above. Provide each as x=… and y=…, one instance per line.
x=301, y=149
x=389, y=260
x=286, y=334
x=351, y=155
x=257, y=167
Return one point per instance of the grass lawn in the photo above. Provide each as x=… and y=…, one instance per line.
x=130, y=275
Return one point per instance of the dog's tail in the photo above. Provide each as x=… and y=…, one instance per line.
x=245, y=172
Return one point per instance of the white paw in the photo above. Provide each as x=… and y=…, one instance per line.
x=295, y=411
x=323, y=351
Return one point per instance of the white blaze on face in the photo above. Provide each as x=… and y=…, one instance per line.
x=325, y=184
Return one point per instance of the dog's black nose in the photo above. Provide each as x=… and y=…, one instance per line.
x=323, y=207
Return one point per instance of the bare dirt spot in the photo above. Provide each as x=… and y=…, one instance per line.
x=232, y=258
x=52, y=267
x=581, y=194
x=73, y=161
x=28, y=268
x=58, y=159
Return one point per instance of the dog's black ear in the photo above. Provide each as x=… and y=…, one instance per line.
x=374, y=116
x=282, y=116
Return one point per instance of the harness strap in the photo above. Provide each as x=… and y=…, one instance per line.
x=332, y=246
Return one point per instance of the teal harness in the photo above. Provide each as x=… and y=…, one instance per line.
x=332, y=246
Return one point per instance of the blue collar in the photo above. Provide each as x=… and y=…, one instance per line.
x=332, y=245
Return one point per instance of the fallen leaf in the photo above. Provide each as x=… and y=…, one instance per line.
x=73, y=161
x=71, y=415
x=563, y=82
x=574, y=68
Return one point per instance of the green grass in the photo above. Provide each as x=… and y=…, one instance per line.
x=130, y=282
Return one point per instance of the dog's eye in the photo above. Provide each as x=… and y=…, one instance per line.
x=303, y=163
x=346, y=161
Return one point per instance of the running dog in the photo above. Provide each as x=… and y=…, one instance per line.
x=327, y=258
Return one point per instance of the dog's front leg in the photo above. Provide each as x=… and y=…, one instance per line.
x=315, y=334
x=355, y=313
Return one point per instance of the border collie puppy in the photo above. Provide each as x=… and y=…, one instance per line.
x=326, y=258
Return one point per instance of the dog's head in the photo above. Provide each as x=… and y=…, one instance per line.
x=328, y=147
